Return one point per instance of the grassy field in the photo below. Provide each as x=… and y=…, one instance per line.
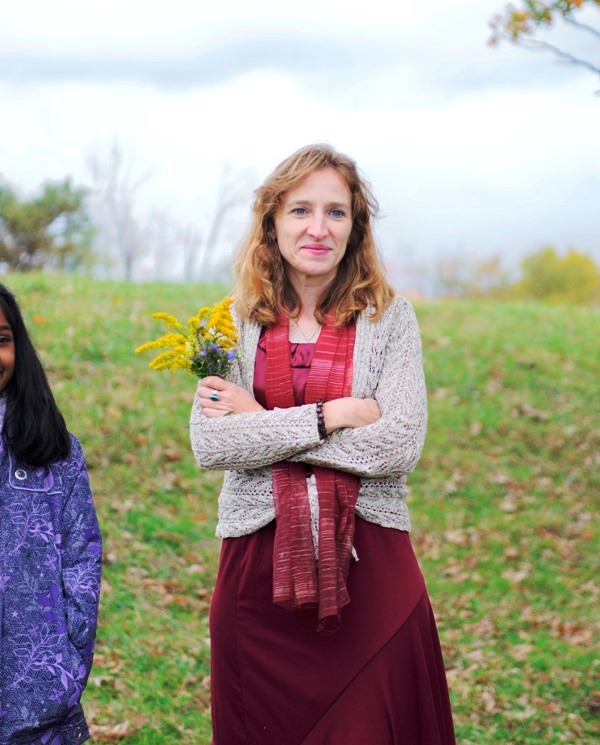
x=503, y=504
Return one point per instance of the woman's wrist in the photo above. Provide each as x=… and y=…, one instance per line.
x=349, y=412
x=333, y=415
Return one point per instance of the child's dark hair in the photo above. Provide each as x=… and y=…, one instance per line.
x=34, y=429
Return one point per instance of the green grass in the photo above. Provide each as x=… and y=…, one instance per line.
x=503, y=505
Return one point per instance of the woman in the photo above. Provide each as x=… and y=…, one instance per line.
x=321, y=628
x=50, y=553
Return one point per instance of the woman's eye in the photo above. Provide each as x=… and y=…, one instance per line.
x=299, y=211
x=338, y=213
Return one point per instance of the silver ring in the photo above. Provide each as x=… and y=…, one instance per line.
x=214, y=396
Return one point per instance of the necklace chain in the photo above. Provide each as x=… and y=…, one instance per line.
x=307, y=338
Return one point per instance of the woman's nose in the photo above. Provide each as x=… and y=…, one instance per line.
x=317, y=227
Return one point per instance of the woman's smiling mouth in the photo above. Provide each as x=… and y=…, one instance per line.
x=316, y=248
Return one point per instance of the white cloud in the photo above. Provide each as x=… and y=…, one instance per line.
x=465, y=146
x=182, y=25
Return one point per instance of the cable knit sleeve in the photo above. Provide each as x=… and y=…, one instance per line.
x=253, y=440
x=388, y=368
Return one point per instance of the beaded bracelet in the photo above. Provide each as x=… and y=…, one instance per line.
x=321, y=420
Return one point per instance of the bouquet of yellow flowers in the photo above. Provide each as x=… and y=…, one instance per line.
x=205, y=346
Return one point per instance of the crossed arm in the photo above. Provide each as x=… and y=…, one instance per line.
x=371, y=437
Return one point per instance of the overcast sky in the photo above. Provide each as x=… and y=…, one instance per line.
x=469, y=149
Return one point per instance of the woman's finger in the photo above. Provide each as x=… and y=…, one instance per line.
x=213, y=381
x=212, y=397
x=210, y=392
x=211, y=413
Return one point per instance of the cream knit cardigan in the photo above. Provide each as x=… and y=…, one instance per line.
x=387, y=367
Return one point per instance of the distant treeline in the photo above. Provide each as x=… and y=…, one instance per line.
x=544, y=275
x=58, y=231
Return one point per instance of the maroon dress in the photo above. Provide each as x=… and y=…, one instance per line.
x=379, y=680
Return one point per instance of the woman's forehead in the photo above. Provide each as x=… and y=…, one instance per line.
x=323, y=185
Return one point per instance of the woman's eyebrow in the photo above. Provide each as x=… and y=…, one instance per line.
x=309, y=202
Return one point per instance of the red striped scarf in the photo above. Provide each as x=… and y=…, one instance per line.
x=299, y=581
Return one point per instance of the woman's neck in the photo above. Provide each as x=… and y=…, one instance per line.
x=309, y=290
x=304, y=327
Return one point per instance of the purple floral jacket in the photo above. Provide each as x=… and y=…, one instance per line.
x=50, y=558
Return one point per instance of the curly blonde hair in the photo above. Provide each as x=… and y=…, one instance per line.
x=263, y=291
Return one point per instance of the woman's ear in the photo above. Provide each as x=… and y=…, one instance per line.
x=271, y=234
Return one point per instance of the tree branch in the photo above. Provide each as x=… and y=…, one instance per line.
x=582, y=26
x=566, y=56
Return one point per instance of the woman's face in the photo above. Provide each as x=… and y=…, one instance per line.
x=7, y=351
x=313, y=225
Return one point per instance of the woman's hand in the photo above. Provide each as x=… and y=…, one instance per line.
x=350, y=412
x=230, y=398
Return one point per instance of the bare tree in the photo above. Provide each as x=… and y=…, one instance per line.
x=191, y=245
x=150, y=244
x=459, y=274
x=233, y=193
x=161, y=238
x=120, y=235
x=180, y=251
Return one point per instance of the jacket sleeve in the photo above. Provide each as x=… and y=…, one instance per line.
x=252, y=440
x=391, y=446
x=81, y=558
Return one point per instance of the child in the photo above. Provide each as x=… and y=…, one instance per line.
x=50, y=553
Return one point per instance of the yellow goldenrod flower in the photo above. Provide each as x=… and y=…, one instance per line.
x=204, y=346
